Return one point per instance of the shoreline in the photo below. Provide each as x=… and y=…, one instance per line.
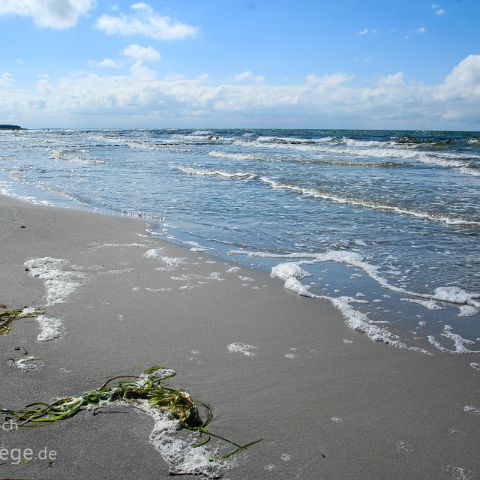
x=414, y=278
x=325, y=407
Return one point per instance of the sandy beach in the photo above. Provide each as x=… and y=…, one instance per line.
x=326, y=401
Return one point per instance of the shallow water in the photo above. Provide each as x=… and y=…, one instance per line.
x=389, y=218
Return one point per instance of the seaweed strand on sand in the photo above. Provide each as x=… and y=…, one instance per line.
x=144, y=392
x=9, y=316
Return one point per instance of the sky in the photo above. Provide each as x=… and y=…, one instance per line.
x=377, y=64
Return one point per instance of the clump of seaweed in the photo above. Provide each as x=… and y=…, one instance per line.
x=9, y=316
x=149, y=388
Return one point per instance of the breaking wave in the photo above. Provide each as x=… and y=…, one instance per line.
x=453, y=295
x=74, y=154
x=283, y=159
x=316, y=193
x=205, y=172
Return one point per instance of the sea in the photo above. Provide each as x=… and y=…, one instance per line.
x=384, y=224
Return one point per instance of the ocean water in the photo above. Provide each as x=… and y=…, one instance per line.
x=386, y=224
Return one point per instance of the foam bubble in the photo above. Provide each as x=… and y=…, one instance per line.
x=244, y=348
x=169, y=263
x=50, y=328
x=359, y=321
x=290, y=273
x=179, y=453
x=153, y=253
x=205, y=172
x=233, y=269
x=59, y=283
x=458, y=473
x=117, y=271
x=284, y=271
x=456, y=295
x=404, y=447
x=216, y=276
x=234, y=156
x=354, y=259
x=28, y=363
x=24, y=198
x=196, y=247
x=458, y=341
x=29, y=311
x=429, y=304
x=467, y=311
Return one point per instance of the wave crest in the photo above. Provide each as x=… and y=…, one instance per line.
x=206, y=172
x=316, y=193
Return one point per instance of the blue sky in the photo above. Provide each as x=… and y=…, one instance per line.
x=241, y=63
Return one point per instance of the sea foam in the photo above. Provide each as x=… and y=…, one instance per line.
x=290, y=273
x=453, y=295
x=28, y=363
x=206, y=172
x=245, y=348
x=179, y=453
x=59, y=282
x=459, y=342
x=324, y=195
x=50, y=328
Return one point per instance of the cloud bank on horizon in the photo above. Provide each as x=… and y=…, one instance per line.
x=135, y=82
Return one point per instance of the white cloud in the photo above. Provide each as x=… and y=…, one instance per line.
x=142, y=98
x=139, y=53
x=464, y=80
x=58, y=14
x=327, y=80
x=420, y=30
x=141, y=6
x=105, y=63
x=248, y=76
x=6, y=80
x=438, y=9
x=366, y=31
x=143, y=20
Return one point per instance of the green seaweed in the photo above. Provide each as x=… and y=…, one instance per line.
x=192, y=415
x=9, y=316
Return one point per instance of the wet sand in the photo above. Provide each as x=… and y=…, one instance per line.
x=327, y=401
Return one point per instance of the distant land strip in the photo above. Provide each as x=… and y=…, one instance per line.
x=10, y=127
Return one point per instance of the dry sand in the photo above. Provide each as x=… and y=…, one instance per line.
x=324, y=407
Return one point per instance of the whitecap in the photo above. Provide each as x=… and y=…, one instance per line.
x=319, y=194
x=206, y=172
